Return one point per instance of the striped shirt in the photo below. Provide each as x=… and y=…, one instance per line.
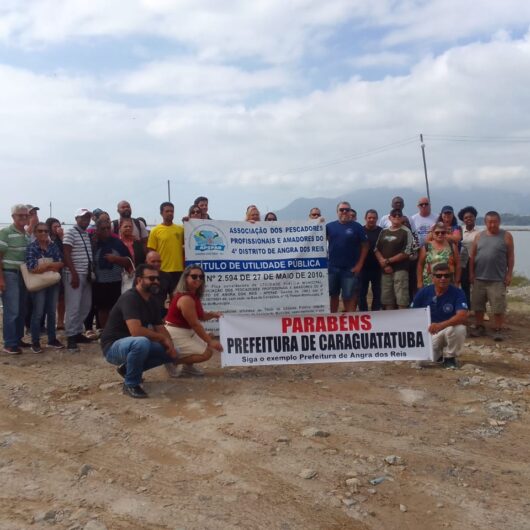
x=13, y=244
x=79, y=240
x=35, y=253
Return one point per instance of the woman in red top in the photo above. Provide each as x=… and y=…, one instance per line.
x=183, y=322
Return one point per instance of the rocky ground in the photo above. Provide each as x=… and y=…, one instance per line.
x=350, y=446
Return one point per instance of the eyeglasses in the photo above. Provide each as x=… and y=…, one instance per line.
x=439, y=233
x=42, y=231
x=423, y=204
x=197, y=276
x=152, y=279
x=344, y=210
x=445, y=275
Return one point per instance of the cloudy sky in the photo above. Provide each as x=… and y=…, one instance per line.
x=258, y=101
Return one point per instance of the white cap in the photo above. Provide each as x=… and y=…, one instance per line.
x=82, y=211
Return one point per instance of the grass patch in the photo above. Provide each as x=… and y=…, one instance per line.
x=519, y=280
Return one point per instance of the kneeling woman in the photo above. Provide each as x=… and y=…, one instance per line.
x=183, y=322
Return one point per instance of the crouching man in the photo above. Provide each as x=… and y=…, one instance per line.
x=448, y=315
x=135, y=338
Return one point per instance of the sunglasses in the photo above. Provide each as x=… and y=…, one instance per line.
x=396, y=215
x=445, y=275
x=197, y=277
x=196, y=211
x=439, y=233
x=423, y=204
x=152, y=279
x=343, y=210
x=314, y=214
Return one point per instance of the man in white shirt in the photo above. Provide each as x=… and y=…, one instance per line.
x=423, y=220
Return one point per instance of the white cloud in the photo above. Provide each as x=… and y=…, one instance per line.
x=61, y=130
x=387, y=59
x=188, y=78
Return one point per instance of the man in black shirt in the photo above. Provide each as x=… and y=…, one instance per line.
x=371, y=271
x=135, y=338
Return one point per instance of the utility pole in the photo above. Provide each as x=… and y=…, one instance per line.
x=425, y=167
x=50, y=208
x=168, y=191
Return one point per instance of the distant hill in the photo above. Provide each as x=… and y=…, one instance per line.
x=379, y=198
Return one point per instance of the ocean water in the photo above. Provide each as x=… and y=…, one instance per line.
x=521, y=241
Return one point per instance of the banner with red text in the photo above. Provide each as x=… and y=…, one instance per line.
x=329, y=338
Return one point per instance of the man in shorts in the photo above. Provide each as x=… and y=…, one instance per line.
x=448, y=315
x=135, y=338
x=490, y=272
x=392, y=250
x=348, y=247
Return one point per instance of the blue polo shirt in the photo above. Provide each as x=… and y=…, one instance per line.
x=344, y=243
x=442, y=307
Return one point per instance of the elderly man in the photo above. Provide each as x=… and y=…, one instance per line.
x=139, y=230
x=78, y=278
x=448, y=315
x=348, y=247
x=423, y=221
x=398, y=203
x=13, y=244
x=135, y=338
x=490, y=271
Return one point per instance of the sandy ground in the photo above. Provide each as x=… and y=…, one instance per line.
x=350, y=446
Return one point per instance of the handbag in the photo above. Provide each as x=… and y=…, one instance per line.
x=127, y=278
x=36, y=281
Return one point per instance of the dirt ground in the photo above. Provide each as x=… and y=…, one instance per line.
x=349, y=446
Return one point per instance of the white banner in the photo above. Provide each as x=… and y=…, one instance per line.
x=329, y=338
x=272, y=268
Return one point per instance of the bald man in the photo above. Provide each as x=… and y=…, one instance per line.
x=139, y=230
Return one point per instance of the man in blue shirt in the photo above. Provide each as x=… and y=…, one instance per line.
x=347, y=248
x=448, y=314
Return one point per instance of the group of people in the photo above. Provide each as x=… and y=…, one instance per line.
x=146, y=304
x=413, y=261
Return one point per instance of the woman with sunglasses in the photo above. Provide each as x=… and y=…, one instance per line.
x=183, y=322
x=194, y=212
x=43, y=255
x=440, y=249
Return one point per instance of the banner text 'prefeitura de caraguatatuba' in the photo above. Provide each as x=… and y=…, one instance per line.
x=349, y=337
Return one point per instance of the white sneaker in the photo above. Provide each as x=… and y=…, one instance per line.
x=172, y=370
x=191, y=370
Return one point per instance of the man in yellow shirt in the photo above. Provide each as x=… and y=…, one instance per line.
x=167, y=239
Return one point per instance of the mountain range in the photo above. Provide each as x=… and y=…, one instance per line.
x=483, y=199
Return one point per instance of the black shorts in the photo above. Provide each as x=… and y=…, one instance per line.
x=106, y=294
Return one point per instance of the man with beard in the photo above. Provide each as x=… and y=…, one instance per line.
x=135, y=338
x=139, y=230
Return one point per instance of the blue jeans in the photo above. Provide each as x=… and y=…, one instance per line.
x=140, y=354
x=342, y=280
x=370, y=276
x=44, y=303
x=14, y=302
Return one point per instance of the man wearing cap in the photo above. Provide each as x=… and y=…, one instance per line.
x=33, y=219
x=449, y=312
x=392, y=251
x=13, y=243
x=77, y=278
